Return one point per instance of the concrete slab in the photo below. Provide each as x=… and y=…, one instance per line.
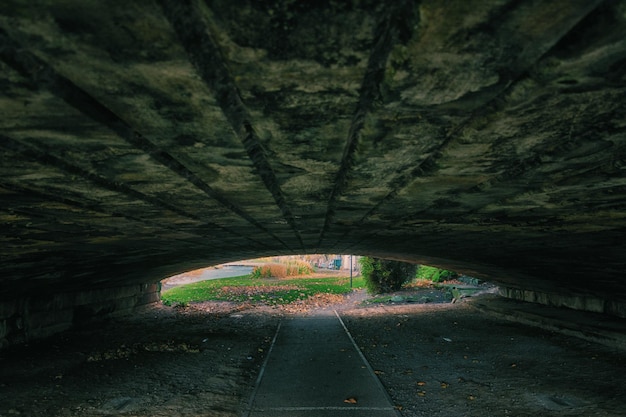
x=315, y=369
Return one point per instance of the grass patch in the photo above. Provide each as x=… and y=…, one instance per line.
x=266, y=291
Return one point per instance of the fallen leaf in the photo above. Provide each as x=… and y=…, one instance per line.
x=379, y=372
x=421, y=383
x=444, y=385
x=350, y=400
x=471, y=398
x=421, y=393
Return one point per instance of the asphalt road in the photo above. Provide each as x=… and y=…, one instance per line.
x=226, y=271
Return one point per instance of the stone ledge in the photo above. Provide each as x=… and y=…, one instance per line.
x=594, y=327
x=574, y=302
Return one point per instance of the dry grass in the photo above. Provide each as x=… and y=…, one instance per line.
x=274, y=270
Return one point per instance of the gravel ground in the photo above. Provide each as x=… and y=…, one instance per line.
x=435, y=359
x=452, y=360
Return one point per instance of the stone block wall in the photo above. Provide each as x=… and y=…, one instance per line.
x=573, y=301
x=43, y=315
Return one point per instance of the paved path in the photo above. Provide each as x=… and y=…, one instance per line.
x=225, y=271
x=315, y=369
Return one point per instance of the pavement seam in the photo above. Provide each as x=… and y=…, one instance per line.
x=262, y=371
x=328, y=408
x=367, y=365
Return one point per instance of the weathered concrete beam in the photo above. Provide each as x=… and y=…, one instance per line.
x=45, y=76
x=189, y=21
x=396, y=26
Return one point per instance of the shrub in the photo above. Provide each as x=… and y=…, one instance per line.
x=383, y=275
x=299, y=268
x=281, y=270
x=434, y=274
x=269, y=271
x=426, y=272
x=257, y=272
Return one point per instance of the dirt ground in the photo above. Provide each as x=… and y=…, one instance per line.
x=435, y=359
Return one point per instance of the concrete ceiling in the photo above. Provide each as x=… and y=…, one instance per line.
x=143, y=138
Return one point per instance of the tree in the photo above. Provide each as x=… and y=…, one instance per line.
x=383, y=275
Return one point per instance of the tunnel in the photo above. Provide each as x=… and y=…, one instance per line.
x=143, y=139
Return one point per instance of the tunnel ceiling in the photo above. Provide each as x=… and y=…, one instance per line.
x=143, y=138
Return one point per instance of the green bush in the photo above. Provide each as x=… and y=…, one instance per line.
x=434, y=274
x=383, y=275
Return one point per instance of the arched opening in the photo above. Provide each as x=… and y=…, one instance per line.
x=314, y=280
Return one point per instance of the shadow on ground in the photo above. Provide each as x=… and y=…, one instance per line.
x=435, y=359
